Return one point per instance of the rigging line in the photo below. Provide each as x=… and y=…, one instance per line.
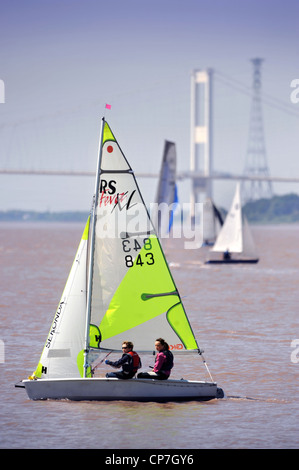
x=234, y=83
x=92, y=369
x=265, y=98
x=248, y=88
x=205, y=363
x=135, y=234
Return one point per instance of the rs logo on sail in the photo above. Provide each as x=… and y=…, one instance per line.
x=110, y=197
x=108, y=187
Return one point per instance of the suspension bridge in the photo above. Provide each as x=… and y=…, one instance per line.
x=201, y=172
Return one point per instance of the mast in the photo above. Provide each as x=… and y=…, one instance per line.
x=92, y=243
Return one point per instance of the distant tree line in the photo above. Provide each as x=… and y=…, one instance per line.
x=278, y=209
x=33, y=216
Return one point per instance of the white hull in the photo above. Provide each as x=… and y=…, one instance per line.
x=115, y=389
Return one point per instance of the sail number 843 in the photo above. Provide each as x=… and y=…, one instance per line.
x=134, y=245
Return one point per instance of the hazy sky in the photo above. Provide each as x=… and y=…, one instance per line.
x=62, y=60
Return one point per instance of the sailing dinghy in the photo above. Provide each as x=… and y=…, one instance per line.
x=119, y=288
x=167, y=193
x=234, y=240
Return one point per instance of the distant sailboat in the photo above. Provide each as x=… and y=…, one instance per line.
x=119, y=288
x=235, y=241
x=211, y=223
x=167, y=194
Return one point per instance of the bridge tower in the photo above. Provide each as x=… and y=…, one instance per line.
x=201, y=155
x=256, y=161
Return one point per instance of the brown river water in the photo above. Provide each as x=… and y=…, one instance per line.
x=245, y=317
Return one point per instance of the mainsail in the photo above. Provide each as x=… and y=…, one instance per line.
x=133, y=295
x=230, y=237
x=235, y=235
x=120, y=287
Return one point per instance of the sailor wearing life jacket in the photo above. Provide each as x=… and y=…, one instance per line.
x=163, y=363
x=130, y=362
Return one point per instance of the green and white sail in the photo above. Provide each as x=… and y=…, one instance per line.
x=120, y=287
x=134, y=296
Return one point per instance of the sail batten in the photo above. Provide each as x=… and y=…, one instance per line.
x=116, y=171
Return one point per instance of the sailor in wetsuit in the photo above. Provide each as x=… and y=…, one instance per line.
x=163, y=364
x=130, y=363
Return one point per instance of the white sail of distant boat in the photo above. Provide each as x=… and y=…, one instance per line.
x=167, y=193
x=235, y=241
x=211, y=223
x=119, y=288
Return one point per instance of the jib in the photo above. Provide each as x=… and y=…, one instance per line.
x=108, y=187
